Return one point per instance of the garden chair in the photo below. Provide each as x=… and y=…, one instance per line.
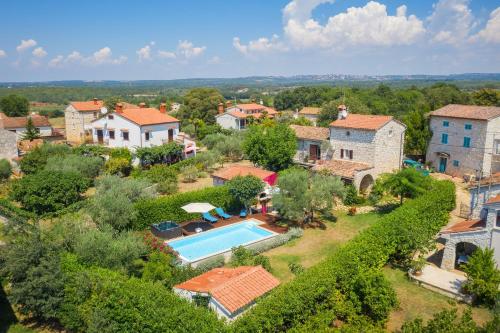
x=207, y=217
x=222, y=213
x=243, y=212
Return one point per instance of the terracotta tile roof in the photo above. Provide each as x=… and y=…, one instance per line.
x=342, y=168
x=495, y=199
x=88, y=105
x=362, y=121
x=311, y=132
x=467, y=112
x=237, y=170
x=234, y=288
x=147, y=116
x=250, y=106
x=464, y=226
x=310, y=110
x=20, y=122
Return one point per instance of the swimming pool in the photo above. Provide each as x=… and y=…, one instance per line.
x=209, y=243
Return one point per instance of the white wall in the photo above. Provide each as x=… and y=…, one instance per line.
x=495, y=245
x=228, y=121
x=44, y=131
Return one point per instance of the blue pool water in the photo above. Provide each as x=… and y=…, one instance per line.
x=209, y=243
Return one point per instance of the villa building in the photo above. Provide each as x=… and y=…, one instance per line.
x=310, y=113
x=78, y=117
x=228, y=291
x=465, y=140
x=356, y=147
x=237, y=116
x=18, y=125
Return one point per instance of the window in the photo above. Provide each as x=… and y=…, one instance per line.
x=125, y=136
x=390, y=133
x=146, y=134
x=346, y=154
x=446, y=123
x=347, y=133
x=95, y=114
x=466, y=142
x=456, y=163
x=444, y=138
x=497, y=147
x=468, y=126
x=110, y=116
x=112, y=134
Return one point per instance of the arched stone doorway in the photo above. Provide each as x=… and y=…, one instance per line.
x=366, y=184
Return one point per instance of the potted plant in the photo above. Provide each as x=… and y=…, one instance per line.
x=417, y=265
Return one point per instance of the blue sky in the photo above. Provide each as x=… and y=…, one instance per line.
x=153, y=39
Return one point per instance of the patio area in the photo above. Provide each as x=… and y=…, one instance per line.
x=189, y=227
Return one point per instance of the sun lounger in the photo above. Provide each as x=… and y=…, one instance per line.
x=243, y=212
x=209, y=218
x=222, y=213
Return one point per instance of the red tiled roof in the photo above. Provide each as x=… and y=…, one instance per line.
x=495, y=199
x=250, y=106
x=362, y=121
x=342, y=168
x=311, y=132
x=310, y=110
x=20, y=122
x=235, y=171
x=234, y=288
x=467, y=112
x=88, y=105
x=464, y=226
x=147, y=116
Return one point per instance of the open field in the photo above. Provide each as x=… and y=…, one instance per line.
x=317, y=244
x=57, y=122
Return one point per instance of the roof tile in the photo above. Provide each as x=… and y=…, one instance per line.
x=310, y=110
x=342, y=168
x=467, y=112
x=362, y=121
x=311, y=132
x=147, y=116
x=20, y=122
x=240, y=170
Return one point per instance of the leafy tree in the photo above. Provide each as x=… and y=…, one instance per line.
x=166, y=153
x=14, y=105
x=88, y=167
x=351, y=196
x=302, y=194
x=487, y=97
x=110, y=103
x=48, y=191
x=119, y=166
x=190, y=173
x=377, y=296
x=231, y=148
x=31, y=132
x=244, y=257
x=245, y=189
x=37, y=159
x=272, y=147
x=448, y=321
x=211, y=140
x=417, y=133
x=5, y=169
x=483, y=278
x=406, y=183
x=442, y=94
x=201, y=104
x=302, y=121
x=113, y=203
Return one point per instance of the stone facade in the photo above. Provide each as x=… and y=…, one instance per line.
x=78, y=124
x=8, y=144
x=452, y=157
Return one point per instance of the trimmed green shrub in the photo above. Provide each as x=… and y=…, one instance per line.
x=5, y=169
x=121, y=153
x=118, y=166
x=169, y=208
x=396, y=236
x=352, y=197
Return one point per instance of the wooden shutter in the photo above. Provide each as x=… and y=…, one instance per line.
x=341, y=153
x=350, y=154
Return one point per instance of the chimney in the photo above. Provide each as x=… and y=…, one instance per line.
x=342, y=111
x=229, y=104
x=142, y=105
x=163, y=108
x=119, y=108
x=220, y=108
x=261, y=102
x=95, y=101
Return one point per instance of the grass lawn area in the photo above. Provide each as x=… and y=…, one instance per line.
x=199, y=184
x=416, y=301
x=57, y=122
x=317, y=244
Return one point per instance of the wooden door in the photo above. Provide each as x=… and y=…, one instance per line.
x=100, y=136
x=170, y=135
x=314, y=152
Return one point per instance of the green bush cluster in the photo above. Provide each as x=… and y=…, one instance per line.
x=169, y=208
x=5, y=169
x=118, y=166
x=349, y=283
x=244, y=257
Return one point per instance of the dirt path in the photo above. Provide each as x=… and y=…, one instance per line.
x=462, y=196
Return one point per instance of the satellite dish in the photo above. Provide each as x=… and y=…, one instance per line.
x=104, y=110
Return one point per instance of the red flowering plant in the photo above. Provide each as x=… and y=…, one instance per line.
x=156, y=244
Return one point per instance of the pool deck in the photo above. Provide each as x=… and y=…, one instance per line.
x=269, y=222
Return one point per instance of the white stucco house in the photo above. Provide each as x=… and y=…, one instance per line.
x=236, y=116
x=228, y=291
x=18, y=125
x=357, y=148
x=135, y=127
x=465, y=140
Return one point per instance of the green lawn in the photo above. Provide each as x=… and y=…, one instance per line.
x=416, y=301
x=317, y=244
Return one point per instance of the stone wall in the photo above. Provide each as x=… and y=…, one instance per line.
x=361, y=142
x=479, y=238
x=8, y=144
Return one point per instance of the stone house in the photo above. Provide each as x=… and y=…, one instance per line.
x=228, y=291
x=78, y=117
x=310, y=141
x=237, y=116
x=17, y=125
x=310, y=113
x=361, y=147
x=465, y=140
x=8, y=144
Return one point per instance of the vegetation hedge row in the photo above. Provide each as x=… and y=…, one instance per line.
x=169, y=207
x=12, y=212
x=398, y=233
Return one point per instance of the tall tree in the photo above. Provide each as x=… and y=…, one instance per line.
x=201, y=104
x=406, y=183
x=14, y=105
x=301, y=195
x=270, y=145
x=417, y=133
x=31, y=132
x=483, y=278
x=245, y=189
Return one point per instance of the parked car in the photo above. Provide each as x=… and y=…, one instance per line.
x=407, y=163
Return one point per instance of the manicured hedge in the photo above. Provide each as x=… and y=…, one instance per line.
x=396, y=235
x=169, y=207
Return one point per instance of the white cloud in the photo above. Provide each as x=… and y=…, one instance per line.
x=3, y=54
x=57, y=61
x=166, y=54
x=100, y=57
x=188, y=50
x=26, y=44
x=104, y=56
x=261, y=45
x=491, y=32
x=74, y=56
x=39, y=52
x=450, y=22
x=144, y=53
